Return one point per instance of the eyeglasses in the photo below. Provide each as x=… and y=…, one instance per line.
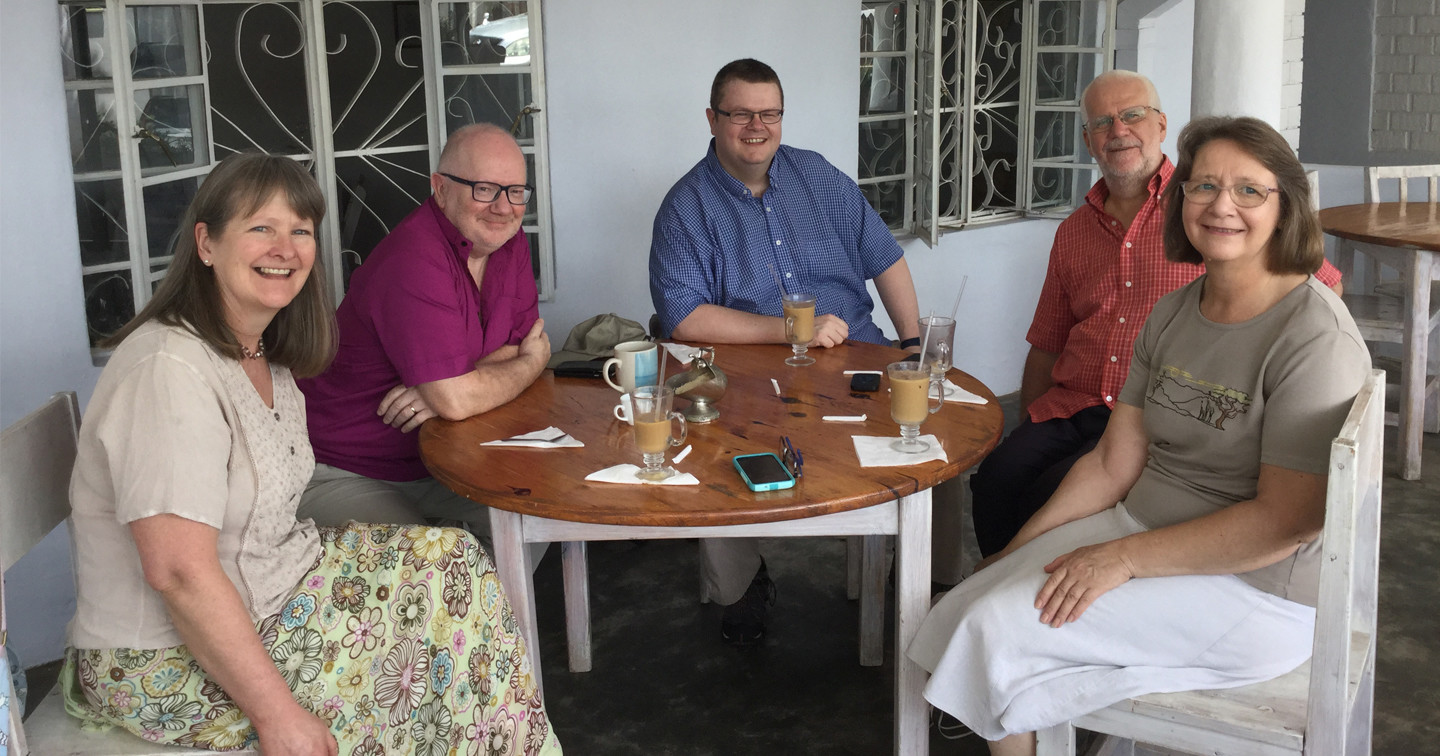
x=484, y=191
x=1243, y=195
x=792, y=457
x=744, y=117
x=1128, y=116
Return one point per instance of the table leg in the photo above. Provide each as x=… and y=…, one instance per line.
x=912, y=603
x=1414, y=364
x=512, y=563
x=872, y=601
x=577, y=604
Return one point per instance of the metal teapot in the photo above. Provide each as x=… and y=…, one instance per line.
x=703, y=384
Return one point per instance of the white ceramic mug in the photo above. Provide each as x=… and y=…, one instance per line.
x=622, y=410
x=637, y=363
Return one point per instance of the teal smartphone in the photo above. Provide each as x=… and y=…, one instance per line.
x=763, y=472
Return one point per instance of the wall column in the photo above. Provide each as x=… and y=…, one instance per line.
x=1238, y=65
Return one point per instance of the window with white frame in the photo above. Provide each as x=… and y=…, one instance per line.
x=361, y=91
x=970, y=109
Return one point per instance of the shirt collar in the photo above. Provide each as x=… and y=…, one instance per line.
x=459, y=245
x=1156, y=187
x=736, y=186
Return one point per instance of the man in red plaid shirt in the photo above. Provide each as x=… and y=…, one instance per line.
x=1107, y=269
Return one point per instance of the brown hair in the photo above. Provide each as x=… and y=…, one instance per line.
x=302, y=334
x=1296, y=245
x=747, y=70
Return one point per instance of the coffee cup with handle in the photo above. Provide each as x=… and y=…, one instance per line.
x=636, y=363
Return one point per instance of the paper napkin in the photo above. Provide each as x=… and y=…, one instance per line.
x=549, y=438
x=875, y=451
x=625, y=473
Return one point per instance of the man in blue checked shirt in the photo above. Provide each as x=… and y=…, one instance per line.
x=750, y=211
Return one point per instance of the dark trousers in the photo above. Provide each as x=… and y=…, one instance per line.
x=1025, y=469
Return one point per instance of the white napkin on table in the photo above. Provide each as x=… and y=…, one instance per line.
x=875, y=451
x=681, y=352
x=625, y=473
x=540, y=439
x=954, y=393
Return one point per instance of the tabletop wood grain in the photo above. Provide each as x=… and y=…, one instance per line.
x=1412, y=225
x=551, y=482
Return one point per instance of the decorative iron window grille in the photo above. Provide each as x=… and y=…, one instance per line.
x=970, y=109
x=363, y=92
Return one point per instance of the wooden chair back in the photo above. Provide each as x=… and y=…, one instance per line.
x=1403, y=173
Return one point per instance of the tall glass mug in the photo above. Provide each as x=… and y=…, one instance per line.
x=651, y=415
x=939, y=354
x=799, y=326
x=910, y=402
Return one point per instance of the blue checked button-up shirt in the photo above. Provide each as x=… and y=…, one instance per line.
x=715, y=243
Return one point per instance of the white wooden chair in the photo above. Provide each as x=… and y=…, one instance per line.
x=1324, y=708
x=36, y=456
x=1405, y=311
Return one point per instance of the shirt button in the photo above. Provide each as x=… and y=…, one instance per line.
x=777, y=242
x=1128, y=245
x=1127, y=284
x=292, y=451
x=277, y=415
x=1122, y=320
x=1113, y=358
x=787, y=275
x=1113, y=223
x=1109, y=399
x=767, y=208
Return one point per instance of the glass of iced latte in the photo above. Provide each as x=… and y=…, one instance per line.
x=799, y=326
x=650, y=410
x=910, y=401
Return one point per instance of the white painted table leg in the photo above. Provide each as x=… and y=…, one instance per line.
x=912, y=603
x=512, y=563
x=852, y=567
x=1412, y=381
x=872, y=601
x=577, y=604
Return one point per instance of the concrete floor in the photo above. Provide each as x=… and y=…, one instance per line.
x=663, y=683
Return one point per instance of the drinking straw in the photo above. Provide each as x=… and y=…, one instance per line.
x=958, y=294
x=663, y=352
x=925, y=342
x=779, y=285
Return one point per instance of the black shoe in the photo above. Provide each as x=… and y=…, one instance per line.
x=744, y=621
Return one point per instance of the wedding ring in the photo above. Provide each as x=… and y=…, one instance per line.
x=413, y=410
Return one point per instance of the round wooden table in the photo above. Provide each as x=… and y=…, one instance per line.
x=541, y=495
x=1406, y=237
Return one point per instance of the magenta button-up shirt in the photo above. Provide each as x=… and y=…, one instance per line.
x=412, y=315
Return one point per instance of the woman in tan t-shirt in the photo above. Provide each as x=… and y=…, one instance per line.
x=1204, y=575
x=207, y=616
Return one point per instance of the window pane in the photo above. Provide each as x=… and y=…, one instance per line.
x=1069, y=23
x=883, y=86
x=484, y=32
x=259, y=89
x=165, y=41
x=100, y=208
x=84, y=53
x=993, y=178
x=882, y=149
x=374, y=194
x=489, y=98
x=167, y=123
x=94, y=139
x=1057, y=78
x=1058, y=187
x=109, y=303
x=164, y=204
x=882, y=27
x=1057, y=136
x=888, y=199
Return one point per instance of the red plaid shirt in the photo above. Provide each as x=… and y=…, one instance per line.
x=1099, y=288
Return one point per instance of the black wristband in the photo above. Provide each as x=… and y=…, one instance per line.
x=913, y=341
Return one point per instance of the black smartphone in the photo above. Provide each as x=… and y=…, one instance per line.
x=865, y=382
x=579, y=369
x=763, y=472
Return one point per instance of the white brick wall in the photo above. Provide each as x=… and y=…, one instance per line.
x=1405, y=100
x=1294, y=70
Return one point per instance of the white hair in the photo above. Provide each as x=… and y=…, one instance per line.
x=1120, y=75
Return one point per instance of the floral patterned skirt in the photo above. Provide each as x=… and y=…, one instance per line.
x=400, y=637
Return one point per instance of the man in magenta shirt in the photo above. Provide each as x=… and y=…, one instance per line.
x=442, y=320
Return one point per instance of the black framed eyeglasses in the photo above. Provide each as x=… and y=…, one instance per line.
x=744, y=117
x=1243, y=195
x=485, y=191
x=792, y=457
x=1129, y=117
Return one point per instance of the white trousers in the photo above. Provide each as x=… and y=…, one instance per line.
x=996, y=668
